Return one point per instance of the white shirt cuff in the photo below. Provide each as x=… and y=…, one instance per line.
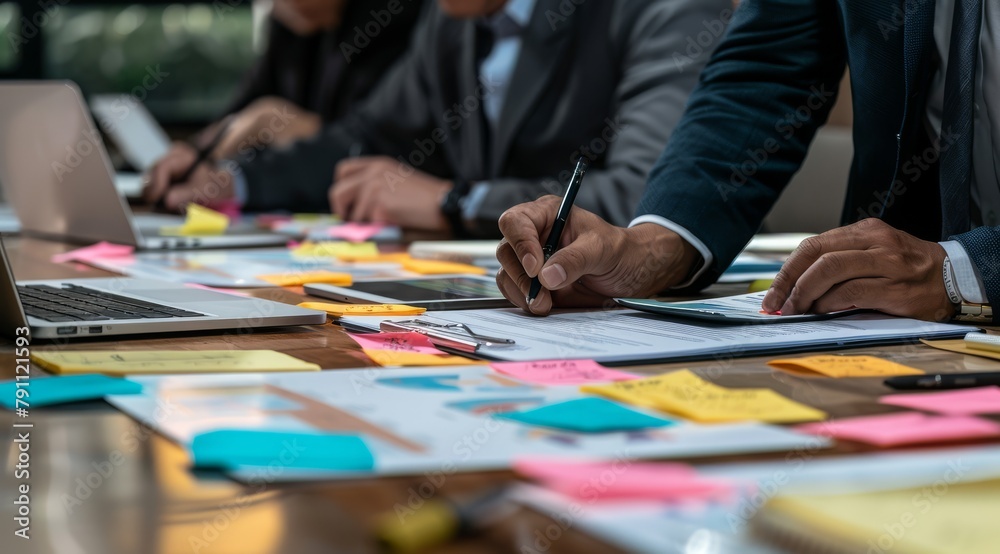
x=706, y=254
x=970, y=285
x=473, y=201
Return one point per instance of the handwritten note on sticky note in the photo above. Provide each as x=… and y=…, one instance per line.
x=844, y=366
x=434, y=267
x=397, y=342
x=331, y=249
x=685, y=394
x=61, y=390
x=355, y=232
x=307, y=277
x=152, y=362
x=94, y=252
x=625, y=479
x=906, y=428
x=561, y=372
x=200, y=221
x=984, y=400
x=340, y=310
x=587, y=415
x=235, y=448
x=391, y=358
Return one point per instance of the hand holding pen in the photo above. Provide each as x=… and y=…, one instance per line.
x=180, y=166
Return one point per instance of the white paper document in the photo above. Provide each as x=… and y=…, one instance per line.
x=418, y=420
x=623, y=336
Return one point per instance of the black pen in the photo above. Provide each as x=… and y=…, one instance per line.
x=206, y=151
x=555, y=235
x=944, y=381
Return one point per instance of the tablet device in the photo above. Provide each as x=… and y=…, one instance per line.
x=744, y=308
x=448, y=292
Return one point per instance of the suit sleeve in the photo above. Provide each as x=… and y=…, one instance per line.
x=983, y=246
x=650, y=98
x=769, y=86
x=298, y=178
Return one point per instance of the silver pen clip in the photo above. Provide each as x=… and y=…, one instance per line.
x=455, y=335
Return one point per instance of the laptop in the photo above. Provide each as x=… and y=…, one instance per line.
x=77, y=308
x=58, y=178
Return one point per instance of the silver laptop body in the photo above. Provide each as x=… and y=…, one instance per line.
x=58, y=178
x=163, y=304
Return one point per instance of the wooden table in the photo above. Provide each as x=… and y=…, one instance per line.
x=150, y=502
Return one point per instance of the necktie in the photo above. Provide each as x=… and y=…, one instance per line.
x=956, y=157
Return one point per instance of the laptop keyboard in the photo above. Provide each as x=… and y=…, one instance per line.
x=76, y=303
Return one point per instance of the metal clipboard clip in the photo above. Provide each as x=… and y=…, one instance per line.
x=456, y=336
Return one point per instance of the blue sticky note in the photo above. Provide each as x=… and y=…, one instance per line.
x=587, y=415
x=233, y=448
x=47, y=391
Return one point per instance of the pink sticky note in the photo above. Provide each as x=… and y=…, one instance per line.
x=624, y=479
x=414, y=343
x=906, y=428
x=94, y=252
x=985, y=400
x=561, y=372
x=229, y=208
x=355, y=232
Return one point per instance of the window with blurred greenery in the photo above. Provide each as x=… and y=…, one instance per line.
x=183, y=59
x=10, y=16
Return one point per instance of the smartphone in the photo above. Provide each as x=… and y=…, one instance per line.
x=441, y=292
x=744, y=308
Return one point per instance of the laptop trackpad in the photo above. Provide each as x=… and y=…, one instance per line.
x=185, y=296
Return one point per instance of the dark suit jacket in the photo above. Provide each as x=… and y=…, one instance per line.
x=611, y=76
x=767, y=89
x=313, y=71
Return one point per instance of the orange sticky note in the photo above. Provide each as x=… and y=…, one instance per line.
x=844, y=366
x=389, y=358
x=306, y=277
x=435, y=267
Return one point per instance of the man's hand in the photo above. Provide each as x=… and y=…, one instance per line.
x=159, y=177
x=383, y=190
x=865, y=265
x=268, y=122
x=596, y=260
x=208, y=185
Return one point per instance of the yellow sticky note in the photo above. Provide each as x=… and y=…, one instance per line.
x=760, y=285
x=200, y=221
x=435, y=267
x=335, y=249
x=362, y=309
x=685, y=394
x=388, y=358
x=844, y=366
x=394, y=258
x=151, y=362
x=306, y=277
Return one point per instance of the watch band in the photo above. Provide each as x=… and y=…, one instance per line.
x=451, y=207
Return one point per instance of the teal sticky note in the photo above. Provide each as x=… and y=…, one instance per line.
x=233, y=448
x=47, y=391
x=587, y=415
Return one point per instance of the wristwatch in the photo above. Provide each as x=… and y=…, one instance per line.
x=973, y=313
x=451, y=208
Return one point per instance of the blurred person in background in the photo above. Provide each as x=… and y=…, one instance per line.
x=492, y=106
x=320, y=62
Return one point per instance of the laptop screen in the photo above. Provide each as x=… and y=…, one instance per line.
x=11, y=312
